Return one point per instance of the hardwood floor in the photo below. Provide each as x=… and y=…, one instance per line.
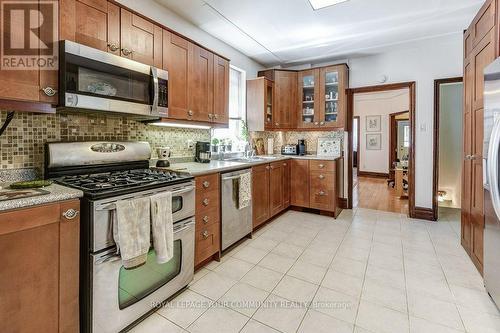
x=373, y=193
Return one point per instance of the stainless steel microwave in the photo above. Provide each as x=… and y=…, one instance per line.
x=94, y=80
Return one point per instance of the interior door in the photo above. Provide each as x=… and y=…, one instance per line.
x=260, y=194
x=200, y=83
x=285, y=99
x=141, y=40
x=175, y=61
x=221, y=90
x=276, y=191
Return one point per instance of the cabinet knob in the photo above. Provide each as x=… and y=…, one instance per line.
x=113, y=47
x=322, y=123
x=205, y=202
x=267, y=167
x=316, y=123
x=322, y=193
x=190, y=113
x=127, y=52
x=277, y=124
x=204, y=234
x=473, y=157
x=284, y=164
x=206, y=184
x=49, y=91
x=321, y=177
x=215, y=116
x=321, y=166
x=205, y=219
x=70, y=214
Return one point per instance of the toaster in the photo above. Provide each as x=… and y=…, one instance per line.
x=289, y=150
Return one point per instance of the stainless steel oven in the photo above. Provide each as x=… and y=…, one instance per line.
x=118, y=297
x=91, y=79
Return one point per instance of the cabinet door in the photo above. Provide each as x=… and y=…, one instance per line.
x=260, y=194
x=299, y=183
x=141, y=40
x=333, y=82
x=200, y=83
x=308, y=96
x=268, y=104
x=286, y=184
x=276, y=193
x=285, y=99
x=221, y=90
x=175, y=61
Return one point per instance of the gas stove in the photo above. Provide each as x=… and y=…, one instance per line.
x=121, y=182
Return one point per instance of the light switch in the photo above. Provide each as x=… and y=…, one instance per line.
x=423, y=127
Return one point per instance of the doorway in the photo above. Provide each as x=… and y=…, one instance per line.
x=448, y=141
x=355, y=148
x=373, y=179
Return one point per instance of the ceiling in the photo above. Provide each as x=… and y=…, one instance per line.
x=290, y=32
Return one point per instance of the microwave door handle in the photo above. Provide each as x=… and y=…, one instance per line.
x=154, y=107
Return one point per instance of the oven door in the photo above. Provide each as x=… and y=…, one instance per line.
x=121, y=296
x=95, y=80
x=183, y=207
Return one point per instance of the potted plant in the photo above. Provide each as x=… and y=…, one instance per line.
x=215, y=145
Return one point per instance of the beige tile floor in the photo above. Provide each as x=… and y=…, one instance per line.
x=367, y=271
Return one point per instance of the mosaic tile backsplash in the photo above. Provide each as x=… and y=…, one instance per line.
x=22, y=144
x=292, y=137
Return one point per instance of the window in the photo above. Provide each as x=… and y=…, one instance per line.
x=234, y=138
x=406, y=136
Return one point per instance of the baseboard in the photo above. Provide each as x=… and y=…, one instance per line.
x=373, y=174
x=423, y=213
x=342, y=203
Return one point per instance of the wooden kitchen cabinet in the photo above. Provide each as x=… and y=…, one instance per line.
x=207, y=216
x=299, y=183
x=221, y=91
x=141, y=40
x=276, y=188
x=286, y=184
x=39, y=279
x=200, y=84
x=332, y=96
x=285, y=99
x=322, y=190
x=309, y=93
x=260, y=104
x=260, y=194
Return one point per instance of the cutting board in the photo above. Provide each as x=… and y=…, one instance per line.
x=8, y=194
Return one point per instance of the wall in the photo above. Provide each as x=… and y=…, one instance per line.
x=450, y=142
x=173, y=21
x=22, y=144
x=377, y=104
x=423, y=62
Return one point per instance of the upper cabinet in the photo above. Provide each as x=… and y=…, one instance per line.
x=310, y=99
x=200, y=84
x=141, y=40
x=221, y=90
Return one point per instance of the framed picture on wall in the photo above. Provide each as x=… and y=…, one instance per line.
x=373, y=123
x=374, y=141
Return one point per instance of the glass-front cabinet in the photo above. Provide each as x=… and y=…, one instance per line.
x=333, y=83
x=268, y=107
x=308, y=98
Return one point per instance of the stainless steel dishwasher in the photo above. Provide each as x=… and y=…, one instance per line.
x=236, y=222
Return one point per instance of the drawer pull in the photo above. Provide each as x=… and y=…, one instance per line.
x=284, y=164
x=204, y=234
x=70, y=214
x=322, y=123
x=49, y=91
x=267, y=167
x=215, y=116
x=321, y=166
x=206, y=184
x=205, y=219
x=205, y=202
x=322, y=193
x=321, y=177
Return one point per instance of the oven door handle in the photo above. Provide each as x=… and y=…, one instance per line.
x=112, y=206
x=156, y=91
x=186, y=226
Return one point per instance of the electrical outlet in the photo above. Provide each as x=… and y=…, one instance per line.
x=190, y=144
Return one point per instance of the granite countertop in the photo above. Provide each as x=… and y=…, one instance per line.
x=199, y=169
x=56, y=193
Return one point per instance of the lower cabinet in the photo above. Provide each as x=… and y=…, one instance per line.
x=39, y=279
x=260, y=194
x=207, y=230
x=299, y=183
x=276, y=190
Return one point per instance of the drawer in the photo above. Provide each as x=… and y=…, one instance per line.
x=322, y=198
x=322, y=179
x=206, y=201
x=315, y=165
x=207, y=242
x=207, y=217
x=207, y=183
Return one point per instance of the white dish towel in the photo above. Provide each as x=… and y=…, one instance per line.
x=131, y=231
x=245, y=190
x=163, y=226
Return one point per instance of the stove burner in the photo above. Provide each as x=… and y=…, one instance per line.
x=96, y=183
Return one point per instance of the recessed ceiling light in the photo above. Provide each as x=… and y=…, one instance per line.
x=319, y=4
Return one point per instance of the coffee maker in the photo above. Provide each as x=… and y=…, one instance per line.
x=202, y=152
x=301, y=147
x=163, y=155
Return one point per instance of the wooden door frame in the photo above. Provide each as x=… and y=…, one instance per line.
x=358, y=134
x=435, y=162
x=411, y=163
x=393, y=133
